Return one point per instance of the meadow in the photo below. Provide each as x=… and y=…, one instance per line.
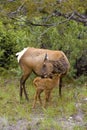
x=68, y=112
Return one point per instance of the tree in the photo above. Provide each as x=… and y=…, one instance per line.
x=60, y=25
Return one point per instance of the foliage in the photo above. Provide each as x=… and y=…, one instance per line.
x=18, y=33
x=7, y=46
x=34, y=8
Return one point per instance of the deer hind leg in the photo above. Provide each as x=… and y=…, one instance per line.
x=22, y=84
x=35, y=99
x=39, y=97
x=22, y=87
x=47, y=97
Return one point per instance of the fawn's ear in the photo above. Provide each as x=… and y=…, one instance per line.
x=46, y=57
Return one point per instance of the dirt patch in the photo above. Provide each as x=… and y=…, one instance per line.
x=19, y=125
x=36, y=122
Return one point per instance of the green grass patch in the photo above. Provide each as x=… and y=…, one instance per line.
x=48, y=124
x=13, y=110
x=79, y=128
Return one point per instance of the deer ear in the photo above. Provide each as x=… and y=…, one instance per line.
x=46, y=57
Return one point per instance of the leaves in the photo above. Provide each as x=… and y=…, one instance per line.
x=45, y=24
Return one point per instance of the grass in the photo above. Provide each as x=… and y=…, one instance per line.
x=79, y=128
x=13, y=110
x=47, y=124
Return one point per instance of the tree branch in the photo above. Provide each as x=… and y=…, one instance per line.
x=16, y=11
x=76, y=16
x=53, y=24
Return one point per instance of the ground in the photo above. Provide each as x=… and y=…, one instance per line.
x=68, y=113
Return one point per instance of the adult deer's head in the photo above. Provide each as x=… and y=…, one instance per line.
x=47, y=67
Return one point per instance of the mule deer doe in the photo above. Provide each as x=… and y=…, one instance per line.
x=33, y=59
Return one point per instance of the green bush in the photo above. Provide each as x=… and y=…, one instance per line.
x=69, y=37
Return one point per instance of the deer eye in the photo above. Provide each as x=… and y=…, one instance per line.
x=44, y=65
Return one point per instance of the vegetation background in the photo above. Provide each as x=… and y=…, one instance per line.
x=52, y=24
